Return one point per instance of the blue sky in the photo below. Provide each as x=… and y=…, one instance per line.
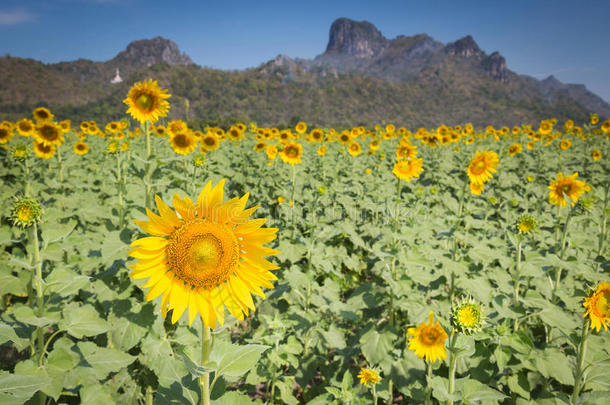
x=569, y=39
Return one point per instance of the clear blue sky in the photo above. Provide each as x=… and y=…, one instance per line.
x=567, y=38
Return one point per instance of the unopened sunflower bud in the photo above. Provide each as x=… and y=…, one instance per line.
x=26, y=212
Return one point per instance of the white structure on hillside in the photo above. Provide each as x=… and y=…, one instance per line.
x=117, y=77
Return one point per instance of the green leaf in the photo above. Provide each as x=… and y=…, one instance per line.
x=95, y=395
x=7, y=334
x=334, y=338
x=552, y=363
x=233, y=398
x=82, y=321
x=474, y=391
x=53, y=232
x=104, y=360
x=376, y=346
x=26, y=315
x=234, y=360
x=65, y=282
x=21, y=387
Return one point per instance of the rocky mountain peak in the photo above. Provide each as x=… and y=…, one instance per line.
x=147, y=52
x=466, y=47
x=355, y=38
x=495, y=65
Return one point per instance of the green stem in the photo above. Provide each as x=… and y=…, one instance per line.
x=204, y=380
x=119, y=188
x=452, y=362
x=516, y=282
x=37, y=281
x=391, y=390
x=61, y=166
x=429, y=383
x=602, y=234
x=46, y=346
x=149, y=395
x=398, y=189
x=374, y=394
x=562, y=245
x=27, y=178
x=582, y=352
x=147, y=166
x=294, y=175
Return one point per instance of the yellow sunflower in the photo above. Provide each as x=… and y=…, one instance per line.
x=210, y=142
x=147, y=102
x=345, y=138
x=596, y=154
x=598, y=307
x=42, y=114
x=49, y=134
x=301, y=127
x=183, y=143
x=260, y=146
x=321, y=150
x=271, y=152
x=565, y=144
x=234, y=133
x=514, y=149
x=81, y=148
x=566, y=186
x=368, y=376
x=354, y=148
x=428, y=340
x=316, y=135
x=482, y=165
x=406, y=151
x=205, y=256
x=25, y=127
x=44, y=151
x=408, y=169
x=476, y=188
x=292, y=153
x=6, y=133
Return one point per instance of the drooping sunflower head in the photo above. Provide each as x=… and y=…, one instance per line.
x=482, y=165
x=183, y=143
x=147, y=101
x=49, y=133
x=42, y=114
x=43, y=151
x=598, y=307
x=291, y=153
x=81, y=148
x=428, y=340
x=467, y=316
x=566, y=187
x=526, y=224
x=26, y=212
x=205, y=255
x=368, y=376
x=408, y=169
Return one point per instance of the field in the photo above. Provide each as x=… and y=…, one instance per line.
x=442, y=265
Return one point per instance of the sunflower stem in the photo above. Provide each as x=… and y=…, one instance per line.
x=391, y=391
x=61, y=166
x=429, y=382
x=562, y=247
x=204, y=380
x=398, y=190
x=452, y=362
x=294, y=176
x=147, y=166
x=582, y=352
x=516, y=282
x=37, y=281
x=119, y=188
x=374, y=394
x=602, y=233
x=27, y=178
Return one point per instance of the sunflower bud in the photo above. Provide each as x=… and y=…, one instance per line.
x=20, y=152
x=26, y=212
x=467, y=316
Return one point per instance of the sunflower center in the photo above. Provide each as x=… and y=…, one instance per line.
x=429, y=335
x=467, y=317
x=181, y=141
x=292, y=152
x=145, y=101
x=48, y=133
x=209, y=141
x=202, y=253
x=25, y=214
x=478, y=167
x=566, y=188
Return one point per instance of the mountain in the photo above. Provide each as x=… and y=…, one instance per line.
x=362, y=78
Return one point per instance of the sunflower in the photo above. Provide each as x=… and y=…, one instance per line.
x=606, y=126
x=205, y=256
x=354, y=148
x=390, y=129
x=234, y=133
x=65, y=125
x=26, y=212
x=316, y=135
x=25, y=127
x=467, y=316
x=596, y=154
x=210, y=142
x=285, y=136
x=428, y=340
x=183, y=143
x=321, y=150
x=594, y=119
x=526, y=224
x=112, y=147
x=374, y=145
x=49, y=134
x=271, y=152
x=125, y=146
x=160, y=131
x=345, y=138
x=301, y=127
x=566, y=186
x=368, y=376
x=476, y=188
x=408, y=169
x=598, y=307
x=406, y=151
x=565, y=144
x=482, y=165
x=292, y=153
x=6, y=133
x=545, y=127
x=514, y=149
x=260, y=146
x=42, y=114
x=147, y=102
x=81, y=148
x=44, y=151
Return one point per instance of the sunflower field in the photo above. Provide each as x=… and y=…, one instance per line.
x=146, y=262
